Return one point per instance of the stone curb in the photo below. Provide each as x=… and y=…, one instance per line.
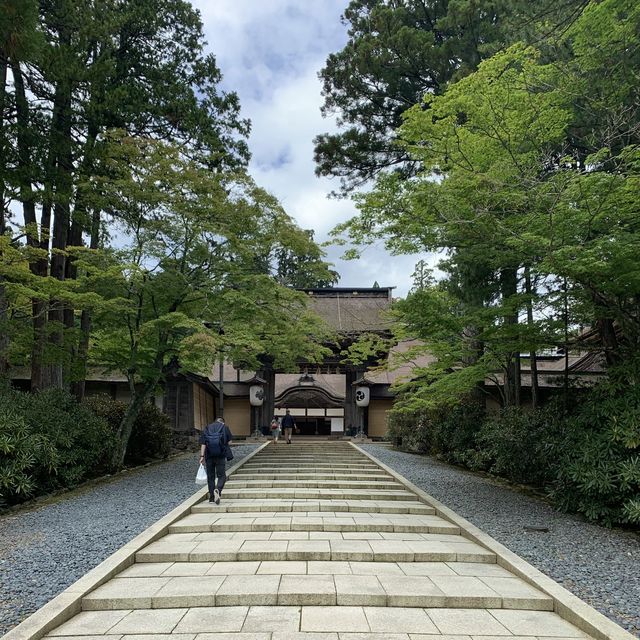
x=69, y=603
x=566, y=605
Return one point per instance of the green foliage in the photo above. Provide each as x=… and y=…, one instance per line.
x=151, y=437
x=446, y=431
x=518, y=444
x=600, y=471
x=528, y=179
x=194, y=277
x=21, y=452
x=49, y=442
x=398, y=51
x=410, y=431
x=587, y=459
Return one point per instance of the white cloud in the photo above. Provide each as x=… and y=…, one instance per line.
x=270, y=53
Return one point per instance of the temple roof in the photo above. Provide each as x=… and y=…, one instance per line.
x=352, y=310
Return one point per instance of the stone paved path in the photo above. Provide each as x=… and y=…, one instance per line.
x=314, y=541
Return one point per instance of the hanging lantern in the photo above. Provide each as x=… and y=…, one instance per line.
x=362, y=396
x=256, y=395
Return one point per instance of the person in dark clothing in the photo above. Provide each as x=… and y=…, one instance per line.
x=216, y=464
x=288, y=424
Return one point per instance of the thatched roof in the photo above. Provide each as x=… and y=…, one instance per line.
x=352, y=310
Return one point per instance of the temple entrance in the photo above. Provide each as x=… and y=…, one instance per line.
x=314, y=426
x=316, y=411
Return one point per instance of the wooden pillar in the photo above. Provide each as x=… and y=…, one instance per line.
x=350, y=408
x=267, y=409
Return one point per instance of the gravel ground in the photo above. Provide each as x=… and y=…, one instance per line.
x=599, y=565
x=45, y=549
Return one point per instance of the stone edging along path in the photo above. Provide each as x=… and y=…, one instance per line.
x=315, y=540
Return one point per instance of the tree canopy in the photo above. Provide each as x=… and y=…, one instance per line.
x=131, y=236
x=397, y=52
x=528, y=175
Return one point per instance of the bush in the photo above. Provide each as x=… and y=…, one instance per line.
x=20, y=452
x=409, y=431
x=48, y=441
x=447, y=432
x=588, y=458
x=517, y=444
x=454, y=430
x=599, y=470
x=152, y=435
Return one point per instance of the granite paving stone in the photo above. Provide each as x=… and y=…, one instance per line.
x=334, y=548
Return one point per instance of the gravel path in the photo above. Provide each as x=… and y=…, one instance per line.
x=44, y=550
x=599, y=565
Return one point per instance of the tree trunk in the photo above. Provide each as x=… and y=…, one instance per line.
x=509, y=288
x=78, y=350
x=473, y=280
x=78, y=388
x=266, y=411
x=532, y=352
x=126, y=426
x=61, y=138
x=4, y=304
x=608, y=339
x=36, y=239
x=138, y=399
x=566, y=344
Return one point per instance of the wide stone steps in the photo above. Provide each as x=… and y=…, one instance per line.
x=309, y=494
x=305, y=475
x=248, y=546
x=317, y=623
x=310, y=521
x=325, y=506
x=315, y=542
x=289, y=589
x=239, y=483
x=300, y=455
x=326, y=470
x=323, y=458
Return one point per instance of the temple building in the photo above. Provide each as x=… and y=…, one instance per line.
x=333, y=398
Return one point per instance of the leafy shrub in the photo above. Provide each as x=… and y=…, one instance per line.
x=409, y=431
x=48, y=441
x=81, y=442
x=152, y=435
x=447, y=432
x=517, y=444
x=599, y=470
x=454, y=430
x=20, y=452
x=588, y=458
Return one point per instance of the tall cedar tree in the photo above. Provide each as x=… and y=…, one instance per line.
x=139, y=66
x=537, y=167
x=400, y=50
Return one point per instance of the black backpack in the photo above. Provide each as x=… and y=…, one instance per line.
x=215, y=439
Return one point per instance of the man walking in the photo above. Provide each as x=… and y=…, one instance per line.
x=288, y=424
x=214, y=445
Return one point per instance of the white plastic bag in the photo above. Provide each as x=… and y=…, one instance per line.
x=201, y=476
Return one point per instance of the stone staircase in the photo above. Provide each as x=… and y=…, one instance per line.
x=315, y=541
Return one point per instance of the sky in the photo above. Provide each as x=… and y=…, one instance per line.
x=270, y=53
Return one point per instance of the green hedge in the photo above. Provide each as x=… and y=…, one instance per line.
x=48, y=441
x=586, y=458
